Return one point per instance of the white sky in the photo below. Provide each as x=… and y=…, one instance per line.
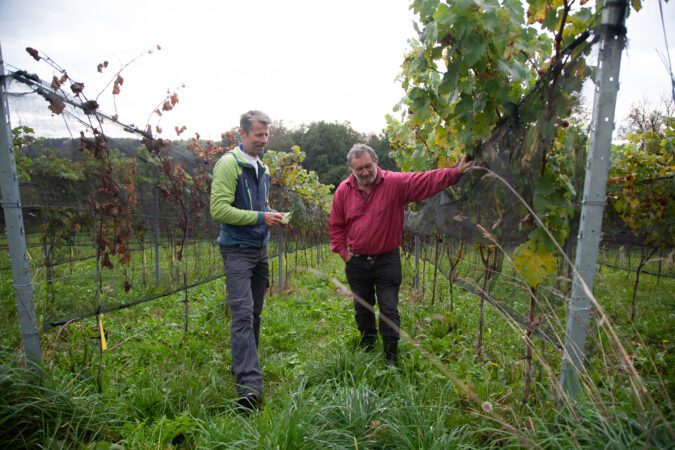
x=298, y=60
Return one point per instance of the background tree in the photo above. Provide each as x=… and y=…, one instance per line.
x=281, y=139
x=645, y=118
x=326, y=145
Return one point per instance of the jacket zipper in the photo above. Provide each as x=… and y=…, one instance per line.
x=248, y=191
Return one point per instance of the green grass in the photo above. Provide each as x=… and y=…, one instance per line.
x=164, y=388
x=38, y=408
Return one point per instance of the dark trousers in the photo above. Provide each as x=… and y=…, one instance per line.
x=379, y=281
x=246, y=277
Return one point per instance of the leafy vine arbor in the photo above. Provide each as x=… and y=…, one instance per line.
x=500, y=81
x=641, y=195
x=114, y=222
x=300, y=193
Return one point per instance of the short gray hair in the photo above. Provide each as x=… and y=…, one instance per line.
x=358, y=151
x=247, y=119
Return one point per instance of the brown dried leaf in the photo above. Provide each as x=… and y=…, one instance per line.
x=34, y=53
x=106, y=261
x=125, y=259
x=77, y=88
x=90, y=107
x=56, y=105
x=163, y=191
x=118, y=82
x=102, y=243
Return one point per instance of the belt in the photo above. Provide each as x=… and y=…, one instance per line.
x=373, y=256
x=370, y=259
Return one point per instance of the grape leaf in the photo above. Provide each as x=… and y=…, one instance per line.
x=534, y=262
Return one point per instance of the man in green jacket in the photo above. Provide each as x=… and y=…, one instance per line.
x=239, y=202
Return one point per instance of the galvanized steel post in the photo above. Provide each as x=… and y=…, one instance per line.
x=16, y=237
x=612, y=39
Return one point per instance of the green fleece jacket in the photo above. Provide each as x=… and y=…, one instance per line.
x=239, y=199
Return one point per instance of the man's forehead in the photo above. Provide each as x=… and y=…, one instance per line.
x=257, y=127
x=362, y=160
x=260, y=125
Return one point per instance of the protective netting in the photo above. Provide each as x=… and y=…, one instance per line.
x=114, y=217
x=512, y=156
x=482, y=200
x=490, y=203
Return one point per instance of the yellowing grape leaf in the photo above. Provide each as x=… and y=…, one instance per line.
x=534, y=262
x=287, y=217
x=445, y=161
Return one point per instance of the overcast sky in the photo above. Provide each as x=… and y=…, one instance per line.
x=298, y=60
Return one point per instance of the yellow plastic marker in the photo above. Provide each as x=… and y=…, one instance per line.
x=104, y=345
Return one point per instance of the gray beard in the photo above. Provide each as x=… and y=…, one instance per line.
x=363, y=183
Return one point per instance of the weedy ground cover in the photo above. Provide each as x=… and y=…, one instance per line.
x=165, y=387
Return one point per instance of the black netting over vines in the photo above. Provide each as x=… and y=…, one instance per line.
x=489, y=204
x=514, y=155
x=113, y=216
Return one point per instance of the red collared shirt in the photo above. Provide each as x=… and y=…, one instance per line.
x=373, y=224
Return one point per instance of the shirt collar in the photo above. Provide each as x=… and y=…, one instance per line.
x=251, y=159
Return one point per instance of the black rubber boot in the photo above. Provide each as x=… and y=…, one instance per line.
x=367, y=342
x=390, y=352
x=249, y=401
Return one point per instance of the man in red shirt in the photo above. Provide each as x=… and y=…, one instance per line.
x=365, y=228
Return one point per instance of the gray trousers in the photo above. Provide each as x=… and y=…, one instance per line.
x=246, y=278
